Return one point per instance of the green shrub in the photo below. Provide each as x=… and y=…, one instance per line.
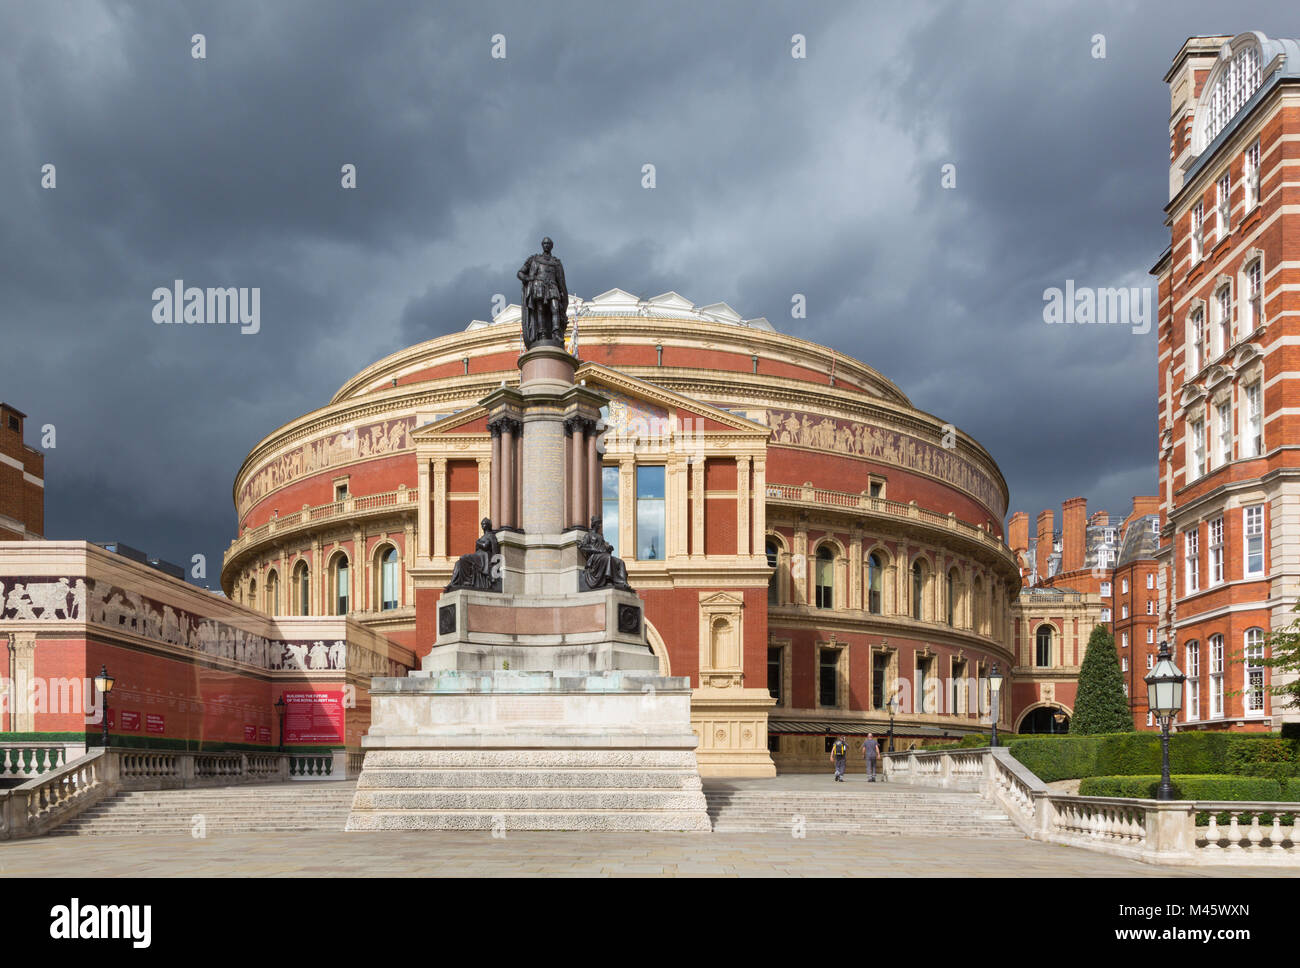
x=1059, y=758
x=1100, y=705
x=1138, y=754
x=1224, y=788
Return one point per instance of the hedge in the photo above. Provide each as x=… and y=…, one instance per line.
x=1263, y=755
x=1193, y=787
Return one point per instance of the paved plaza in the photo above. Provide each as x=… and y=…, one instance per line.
x=529, y=854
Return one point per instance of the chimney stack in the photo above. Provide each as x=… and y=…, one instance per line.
x=1074, y=524
x=1018, y=532
x=1043, y=551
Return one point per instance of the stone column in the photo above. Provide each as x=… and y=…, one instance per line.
x=799, y=564
x=439, y=488
x=742, y=506
x=697, y=507
x=543, y=489
x=575, y=472
x=855, y=597
x=593, y=473
x=627, y=508
x=21, y=713
x=422, y=511
x=495, y=513
x=758, y=515
x=508, y=430
x=485, y=489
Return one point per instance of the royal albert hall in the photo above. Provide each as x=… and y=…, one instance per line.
x=818, y=555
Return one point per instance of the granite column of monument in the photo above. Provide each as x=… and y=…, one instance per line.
x=593, y=473
x=574, y=475
x=495, y=430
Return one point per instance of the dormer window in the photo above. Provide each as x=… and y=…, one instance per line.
x=1237, y=80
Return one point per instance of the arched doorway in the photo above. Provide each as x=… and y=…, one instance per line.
x=1044, y=720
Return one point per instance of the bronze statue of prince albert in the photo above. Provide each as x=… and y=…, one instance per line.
x=545, y=300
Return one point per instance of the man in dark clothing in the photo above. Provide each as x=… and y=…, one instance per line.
x=839, y=752
x=871, y=750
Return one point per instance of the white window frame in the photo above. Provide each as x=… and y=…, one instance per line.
x=1123, y=586
x=1193, y=696
x=1223, y=205
x=1216, y=677
x=1151, y=581
x=1151, y=606
x=1198, y=232
x=1222, y=319
x=1253, y=317
x=1253, y=699
x=1197, y=434
x=1105, y=589
x=1252, y=444
x=1105, y=615
x=1192, y=559
x=1223, y=417
x=1123, y=640
x=1215, y=544
x=1250, y=175
x=1252, y=519
x=1151, y=636
x=1123, y=611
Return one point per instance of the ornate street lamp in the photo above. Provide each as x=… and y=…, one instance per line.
x=104, y=683
x=1058, y=717
x=995, y=689
x=1165, y=699
x=279, y=708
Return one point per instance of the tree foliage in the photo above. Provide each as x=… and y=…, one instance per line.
x=1100, y=705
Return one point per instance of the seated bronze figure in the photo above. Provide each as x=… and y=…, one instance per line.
x=603, y=568
x=476, y=570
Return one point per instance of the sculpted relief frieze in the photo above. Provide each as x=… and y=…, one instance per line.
x=887, y=446
x=331, y=450
x=100, y=603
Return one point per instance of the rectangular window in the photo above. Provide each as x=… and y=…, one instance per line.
x=879, y=671
x=1254, y=528
x=1216, y=676
x=1123, y=663
x=1198, y=449
x=1123, y=640
x=1223, y=317
x=1105, y=614
x=1195, y=343
x=1255, y=672
x=1253, y=444
x=1254, y=299
x=609, y=505
x=1150, y=717
x=774, y=678
x=1151, y=607
x=1123, y=586
x=1223, y=412
x=1216, y=551
x=1192, y=556
x=1123, y=610
x=1198, y=232
x=1193, y=711
x=1250, y=171
x=1151, y=636
x=340, y=492
x=650, y=504
x=1223, y=204
x=1151, y=581
x=1151, y=661
x=828, y=694
x=1105, y=589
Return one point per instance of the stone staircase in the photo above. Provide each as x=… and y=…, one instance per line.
x=296, y=806
x=884, y=810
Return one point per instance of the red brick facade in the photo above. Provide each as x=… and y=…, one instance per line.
x=22, y=480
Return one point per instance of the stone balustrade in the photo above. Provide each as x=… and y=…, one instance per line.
x=38, y=805
x=1154, y=831
x=33, y=758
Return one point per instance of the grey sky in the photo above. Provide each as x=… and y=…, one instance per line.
x=774, y=176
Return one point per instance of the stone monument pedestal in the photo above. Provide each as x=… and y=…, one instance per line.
x=530, y=751
x=540, y=705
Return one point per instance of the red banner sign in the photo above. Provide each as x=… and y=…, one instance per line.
x=264, y=734
x=130, y=720
x=314, y=717
x=250, y=733
x=153, y=722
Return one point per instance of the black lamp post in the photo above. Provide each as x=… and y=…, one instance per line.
x=279, y=708
x=893, y=708
x=1165, y=699
x=104, y=683
x=995, y=690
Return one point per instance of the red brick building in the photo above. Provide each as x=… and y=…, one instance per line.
x=808, y=544
x=22, y=480
x=1229, y=386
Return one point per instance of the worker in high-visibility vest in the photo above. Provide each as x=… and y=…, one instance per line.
x=839, y=754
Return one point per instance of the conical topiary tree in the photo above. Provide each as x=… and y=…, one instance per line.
x=1100, y=705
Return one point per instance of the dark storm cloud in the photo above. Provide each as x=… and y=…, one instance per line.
x=775, y=176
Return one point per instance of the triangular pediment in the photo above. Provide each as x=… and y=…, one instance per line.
x=600, y=377
x=459, y=423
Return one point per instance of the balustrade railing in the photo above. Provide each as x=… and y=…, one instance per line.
x=59, y=794
x=29, y=759
x=1155, y=831
x=324, y=512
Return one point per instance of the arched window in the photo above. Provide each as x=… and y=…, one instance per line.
x=342, y=577
x=252, y=593
x=273, y=593
x=773, y=580
x=301, y=589
x=918, y=588
x=954, y=596
x=979, y=607
x=388, y=579
x=874, y=583
x=825, y=578
x=1043, y=652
